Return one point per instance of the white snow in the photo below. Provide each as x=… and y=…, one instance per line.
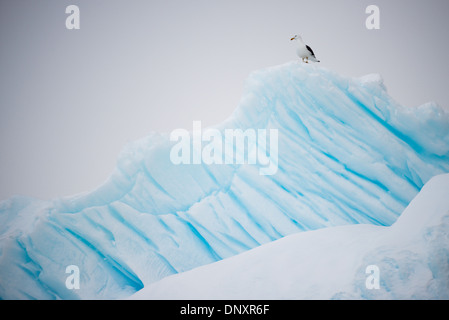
x=412, y=256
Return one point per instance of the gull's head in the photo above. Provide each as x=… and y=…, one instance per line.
x=296, y=37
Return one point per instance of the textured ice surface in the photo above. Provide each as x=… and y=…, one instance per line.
x=348, y=154
x=411, y=258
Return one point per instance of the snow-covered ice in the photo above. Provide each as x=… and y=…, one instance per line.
x=412, y=257
x=348, y=154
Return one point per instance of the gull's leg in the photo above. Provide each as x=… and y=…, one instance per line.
x=307, y=59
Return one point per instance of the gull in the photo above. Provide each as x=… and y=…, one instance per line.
x=304, y=51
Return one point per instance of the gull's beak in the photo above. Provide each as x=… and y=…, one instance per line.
x=292, y=39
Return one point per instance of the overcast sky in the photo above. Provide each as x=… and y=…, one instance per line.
x=71, y=99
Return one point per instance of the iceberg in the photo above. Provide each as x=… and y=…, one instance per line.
x=348, y=154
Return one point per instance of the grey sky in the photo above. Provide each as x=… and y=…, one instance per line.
x=71, y=99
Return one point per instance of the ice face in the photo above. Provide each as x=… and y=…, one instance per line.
x=347, y=154
x=408, y=260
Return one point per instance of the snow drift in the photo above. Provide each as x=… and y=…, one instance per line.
x=348, y=154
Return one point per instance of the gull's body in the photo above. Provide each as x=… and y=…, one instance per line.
x=304, y=51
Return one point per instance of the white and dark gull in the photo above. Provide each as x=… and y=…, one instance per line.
x=303, y=50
